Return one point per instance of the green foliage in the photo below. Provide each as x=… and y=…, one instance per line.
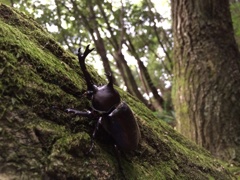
x=120, y=25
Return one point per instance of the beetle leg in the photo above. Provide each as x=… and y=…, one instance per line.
x=94, y=134
x=81, y=113
x=117, y=152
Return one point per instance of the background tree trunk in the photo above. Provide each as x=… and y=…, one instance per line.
x=146, y=78
x=207, y=75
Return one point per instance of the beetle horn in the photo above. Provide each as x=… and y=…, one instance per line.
x=81, y=59
x=110, y=79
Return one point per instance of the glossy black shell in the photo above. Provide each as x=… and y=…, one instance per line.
x=105, y=98
x=123, y=127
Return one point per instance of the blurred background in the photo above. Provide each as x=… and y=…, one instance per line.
x=132, y=39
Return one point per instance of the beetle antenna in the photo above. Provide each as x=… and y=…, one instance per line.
x=81, y=59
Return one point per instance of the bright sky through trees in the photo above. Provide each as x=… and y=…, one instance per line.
x=161, y=6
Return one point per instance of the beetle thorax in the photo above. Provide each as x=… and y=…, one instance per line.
x=105, y=98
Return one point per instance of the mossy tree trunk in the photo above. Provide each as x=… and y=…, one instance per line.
x=207, y=75
x=39, y=142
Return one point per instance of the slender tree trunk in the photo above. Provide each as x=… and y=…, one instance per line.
x=100, y=47
x=129, y=80
x=103, y=54
x=207, y=75
x=98, y=41
x=143, y=70
x=120, y=60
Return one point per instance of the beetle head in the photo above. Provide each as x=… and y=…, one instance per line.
x=105, y=97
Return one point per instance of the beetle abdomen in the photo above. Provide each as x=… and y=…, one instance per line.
x=122, y=126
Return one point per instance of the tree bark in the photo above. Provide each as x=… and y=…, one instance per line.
x=207, y=75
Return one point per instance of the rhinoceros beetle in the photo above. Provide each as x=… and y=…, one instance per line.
x=114, y=115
